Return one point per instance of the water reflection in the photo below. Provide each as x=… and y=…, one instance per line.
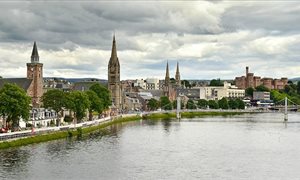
x=13, y=161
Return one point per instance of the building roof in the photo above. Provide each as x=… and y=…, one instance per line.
x=84, y=86
x=34, y=54
x=21, y=82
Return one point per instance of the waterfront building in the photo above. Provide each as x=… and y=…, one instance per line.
x=261, y=95
x=249, y=80
x=114, y=83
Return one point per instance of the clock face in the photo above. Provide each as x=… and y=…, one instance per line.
x=113, y=68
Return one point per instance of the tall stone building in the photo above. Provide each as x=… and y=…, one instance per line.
x=33, y=83
x=168, y=89
x=177, y=76
x=114, y=84
x=35, y=73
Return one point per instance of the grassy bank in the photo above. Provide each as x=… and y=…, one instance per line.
x=62, y=134
x=190, y=114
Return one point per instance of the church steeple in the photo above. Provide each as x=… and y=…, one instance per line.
x=167, y=78
x=114, y=49
x=34, y=54
x=177, y=76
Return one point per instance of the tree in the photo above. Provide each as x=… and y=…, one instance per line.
x=232, y=104
x=78, y=102
x=298, y=87
x=240, y=104
x=103, y=93
x=96, y=104
x=249, y=91
x=223, y=103
x=216, y=82
x=152, y=104
x=262, y=88
x=190, y=104
x=54, y=99
x=213, y=104
x=186, y=83
x=202, y=103
x=165, y=103
x=14, y=104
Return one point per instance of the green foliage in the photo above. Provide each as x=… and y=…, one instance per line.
x=202, y=103
x=165, y=103
x=96, y=103
x=216, y=82
x=153, y=104
x=78, y=102
x=191, y=105
x=213, y=104
x=262, y=88
x=54, y=99
x=14, y=104
x=249, y=91
x=277, y=96
x=103, y=93
x=298, y=87
x=186, y=83
x=240, y=104
x=232, y=103
x=223, y=103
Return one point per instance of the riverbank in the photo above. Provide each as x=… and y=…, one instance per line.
x=88, y=129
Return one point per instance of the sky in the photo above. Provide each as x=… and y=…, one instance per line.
x=209, y=39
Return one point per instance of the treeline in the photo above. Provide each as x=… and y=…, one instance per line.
x=224, y=103
x=16, y=104
x=291, y=91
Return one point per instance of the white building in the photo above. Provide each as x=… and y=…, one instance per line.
x=149, y=83
x=218, y=92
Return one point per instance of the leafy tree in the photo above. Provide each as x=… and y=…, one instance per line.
x=262, y=88
x=153, y=104
x=78, y=102
x=191, y=105
x=232, y=104
x=186, y=83
x=240, y=104
x=103, y=93
x=165, y=103
x=216, y=82
x=223, y=103
x=213, y=104
x=277, y=96
x=202, y=103
x=298, y=87
x=54, y=99
x=96, y=104
x=249, y=91
x=14, y=104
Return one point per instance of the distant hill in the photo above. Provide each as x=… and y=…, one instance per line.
x=73, y=80
x=295, y=79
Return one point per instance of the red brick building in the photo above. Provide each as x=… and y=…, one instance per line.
x=250, y=80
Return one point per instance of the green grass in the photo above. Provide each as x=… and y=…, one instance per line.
x=86, y=130
x=62, y=134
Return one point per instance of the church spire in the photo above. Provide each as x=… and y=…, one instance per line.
x=167, y=78
x=177, y=76
x=114, y=49
x=34, y=54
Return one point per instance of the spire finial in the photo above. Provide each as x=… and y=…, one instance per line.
x=34, y=54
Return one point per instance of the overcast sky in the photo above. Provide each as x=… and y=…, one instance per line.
x=215, y=39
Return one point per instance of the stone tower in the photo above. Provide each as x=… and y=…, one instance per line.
x=167, y=82
x=35, y=73
x=114, y=84
x=177, y=76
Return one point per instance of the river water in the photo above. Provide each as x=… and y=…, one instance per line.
x=249, y=146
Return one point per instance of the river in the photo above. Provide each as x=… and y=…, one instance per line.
x=249, y=146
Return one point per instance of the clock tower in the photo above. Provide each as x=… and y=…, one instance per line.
x=35, y=73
